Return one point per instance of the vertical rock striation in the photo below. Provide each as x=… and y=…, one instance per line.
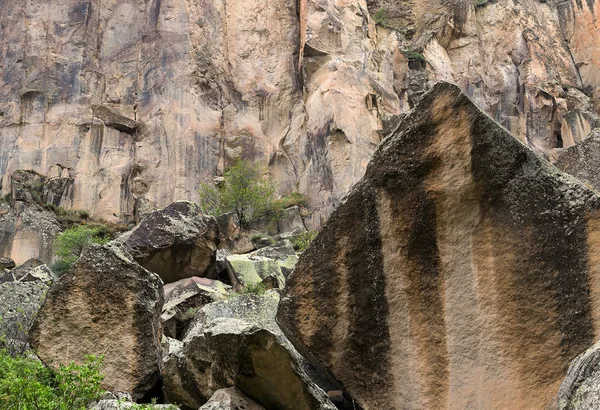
x=124, y=101
x=460, y=272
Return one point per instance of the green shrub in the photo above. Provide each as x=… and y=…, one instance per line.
x=26, y=384
x=380, y=17
x=243, y=191
x=301, y=242
x=251, y=289
x=70, y=243
x=414, y=56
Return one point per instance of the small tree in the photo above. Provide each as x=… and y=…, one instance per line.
x=70, y=243
x=243, y=191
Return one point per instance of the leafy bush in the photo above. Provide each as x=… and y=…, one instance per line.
x=26, y=384
x=243, y=191
x=70, y=243
x=301, y=242
x=414, y=56
x=380, y=17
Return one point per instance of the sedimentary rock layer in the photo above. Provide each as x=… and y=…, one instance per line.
x=460, y=273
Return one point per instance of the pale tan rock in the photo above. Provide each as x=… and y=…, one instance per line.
x=460, y=273
x=306, y=90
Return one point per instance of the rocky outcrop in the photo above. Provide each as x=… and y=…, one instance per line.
x=27, y=231
x=460, y=272
x=230, y=399
x=177, y=242
x=307, y=89
x=271, y=264
x=237, y=343
x=105, y=305
x=19, y=304
x=184, y=298
x=582, y=160
x=31, y=271
x=581, y=388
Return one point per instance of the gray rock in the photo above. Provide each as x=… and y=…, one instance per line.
x=580, y=390
x=19, y=304
x=113, y=404
x=272, y=263
x=105, y=305
x=32, y=270
x=230, y=399
x=291, y=221
x=237, y=343
x=7, y=263
x=176, y=242
x=183, y=299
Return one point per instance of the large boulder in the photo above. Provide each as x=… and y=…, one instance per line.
x=270, y=264
x=105, y=305
x=582, y=160
x=237, y=343
x=176, y=242
x=581, y=388
x=230, y=399
x=19, y=304
x=460, y=272
x=185, y=297
x=31, y=271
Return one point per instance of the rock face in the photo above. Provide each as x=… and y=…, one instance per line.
x=237, y=343
x=177, y=242
x=183, y=299
x=582, y=160
x=19, y=304
x=122, y=103
x=230, y=399
x=581, y=388
x=460, y=272
x=105, y=305
x=27, y=231
x=271, y=264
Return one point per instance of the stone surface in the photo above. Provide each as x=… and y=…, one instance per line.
x=582, y=160
x=176, y=242
x=30, y=271
x=131, y=103
x=581, y=388
x=27, y=231
x=19, y=304
x=125, y=405
x=237, y=343
x=271, y=264
x=460, y=272
x=230, y=399
x=291, y=221
x=105, y=305
x=184, y=298
x=7, y=263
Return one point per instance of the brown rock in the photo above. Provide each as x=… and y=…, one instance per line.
x=177, y=242
x=460, y=272
x=105, y=305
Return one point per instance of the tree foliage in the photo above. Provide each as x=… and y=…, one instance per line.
x=26, y=384
x=70, y=243
x=243, y=191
